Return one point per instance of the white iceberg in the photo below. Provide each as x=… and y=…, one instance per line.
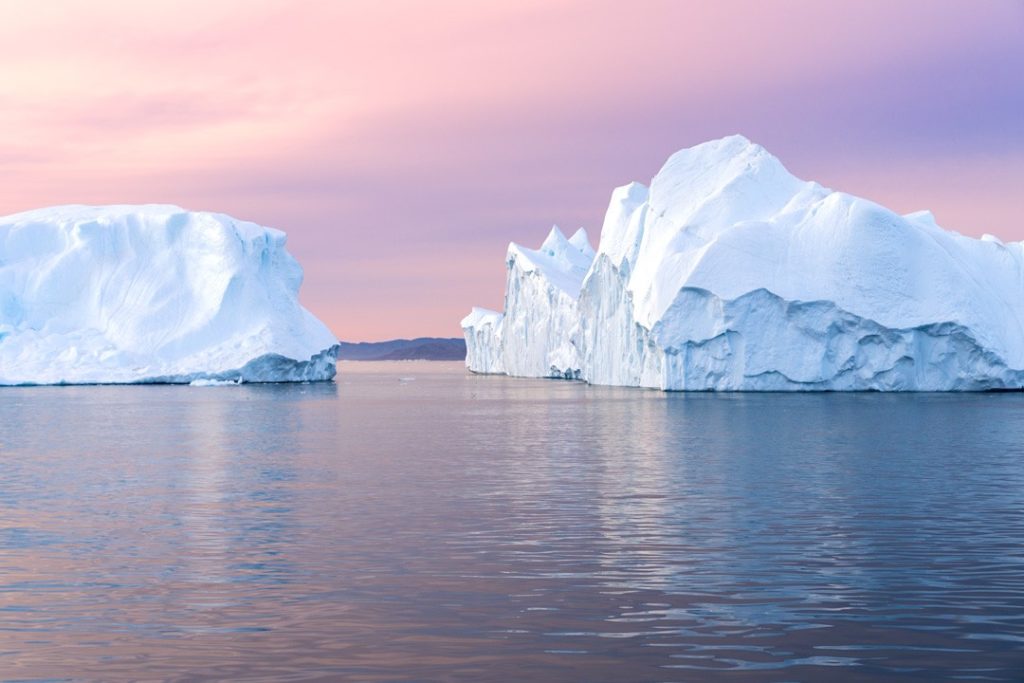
x=729, y=273
x=128, y=294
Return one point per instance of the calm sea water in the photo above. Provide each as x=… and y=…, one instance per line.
x=415, y=523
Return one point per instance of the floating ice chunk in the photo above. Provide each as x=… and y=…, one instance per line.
x=213, y=382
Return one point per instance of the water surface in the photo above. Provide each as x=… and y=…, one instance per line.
x=415, y=523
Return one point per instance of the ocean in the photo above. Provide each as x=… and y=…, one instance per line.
x=413, y=522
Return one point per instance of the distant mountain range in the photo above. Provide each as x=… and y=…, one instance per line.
x=423, y=348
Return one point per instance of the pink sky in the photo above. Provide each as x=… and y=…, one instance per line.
x=403, y=144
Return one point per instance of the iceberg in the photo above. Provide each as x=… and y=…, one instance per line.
x=152, y=294
x=728, y=273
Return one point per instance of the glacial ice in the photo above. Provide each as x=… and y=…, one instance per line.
x=728, y=273
x=146, y=294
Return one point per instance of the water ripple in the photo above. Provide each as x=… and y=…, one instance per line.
x=481, y=528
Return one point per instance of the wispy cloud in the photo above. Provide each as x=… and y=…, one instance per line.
x=401, y=142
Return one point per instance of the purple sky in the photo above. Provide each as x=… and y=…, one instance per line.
x=402, y=145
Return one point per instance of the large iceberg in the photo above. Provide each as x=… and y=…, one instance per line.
x=127, y=294
x=728, y=273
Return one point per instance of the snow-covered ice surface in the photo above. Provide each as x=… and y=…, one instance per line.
x=729, y=273
x=126, y=294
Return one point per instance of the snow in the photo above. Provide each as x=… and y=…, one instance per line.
x=731, y=274
x=561, y=262
x=543, y=287
x=154, y=293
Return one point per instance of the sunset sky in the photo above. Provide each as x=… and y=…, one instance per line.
x=402, y=145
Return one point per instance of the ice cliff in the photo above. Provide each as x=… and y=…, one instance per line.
x=728, y=273
x=125, y=294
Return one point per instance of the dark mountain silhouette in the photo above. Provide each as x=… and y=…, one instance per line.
x=422, y=348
